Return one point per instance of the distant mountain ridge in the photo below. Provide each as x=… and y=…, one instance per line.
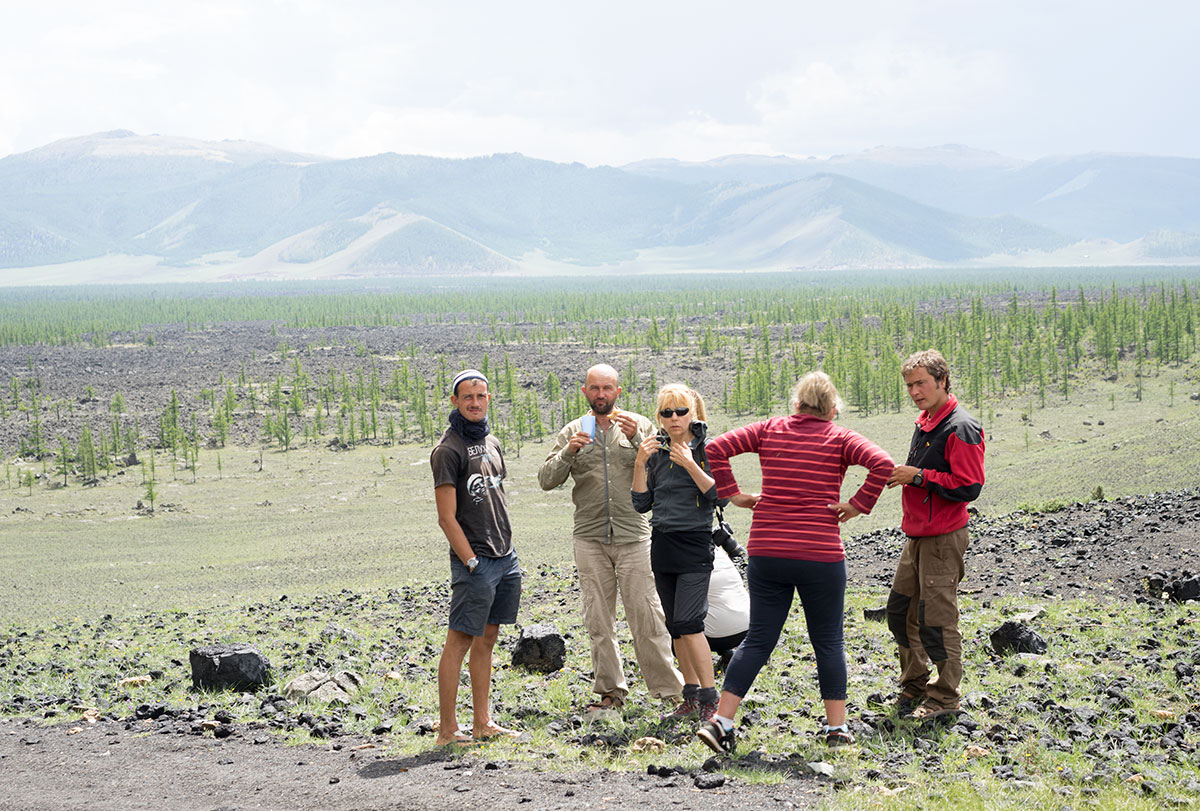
x=118, y=205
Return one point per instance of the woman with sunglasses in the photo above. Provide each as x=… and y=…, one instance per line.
x=795, y=544
x=670, y=477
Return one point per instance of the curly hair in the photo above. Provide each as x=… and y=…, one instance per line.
x=931, y=361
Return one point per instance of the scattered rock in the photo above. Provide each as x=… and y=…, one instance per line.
x=225, y=667
x=648, y=744
x=1032, y=614
x=540, y=648
x=875, y=614
x=821, y=768
x=707, y=780
x=320, y=685
x=978, y=700
x=150, y=711
x=1013, y=636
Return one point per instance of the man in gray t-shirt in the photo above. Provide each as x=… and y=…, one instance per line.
x=475, y=468
x=485, y=576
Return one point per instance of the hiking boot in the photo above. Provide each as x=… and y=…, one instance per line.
x=707, y=711
x=715, y=738
x=838, y=736
x=931, y=710
x=909, y=698
x=686, y=709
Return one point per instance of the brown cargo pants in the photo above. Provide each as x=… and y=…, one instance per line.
x=923, y=614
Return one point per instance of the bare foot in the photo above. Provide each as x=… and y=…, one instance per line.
x=456, y=738
x=491, y=730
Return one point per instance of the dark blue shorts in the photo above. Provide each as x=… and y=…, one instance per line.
x=488, y=597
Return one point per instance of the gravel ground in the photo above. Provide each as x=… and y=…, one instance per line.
x=1107, y=550
x=106, y=766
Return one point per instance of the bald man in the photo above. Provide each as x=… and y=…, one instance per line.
x=612, y=541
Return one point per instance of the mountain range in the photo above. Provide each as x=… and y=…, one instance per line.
x=118, y=206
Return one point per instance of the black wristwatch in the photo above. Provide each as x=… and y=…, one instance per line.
x=919, y=479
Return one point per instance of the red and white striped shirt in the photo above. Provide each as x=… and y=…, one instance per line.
x=804, y=461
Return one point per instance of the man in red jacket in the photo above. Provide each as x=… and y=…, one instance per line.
x=943, y=472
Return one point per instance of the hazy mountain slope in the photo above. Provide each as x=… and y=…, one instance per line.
x=1118, y=197
x=778, y=220
x=105, y=193
x=255, y=210
x=511, y=203
x=427, y=247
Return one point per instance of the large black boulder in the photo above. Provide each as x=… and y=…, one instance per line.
x=541, y=648
x=229, y=667
x=1185, y=588
x=1013, y=636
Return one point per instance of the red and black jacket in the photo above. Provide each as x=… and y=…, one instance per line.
x=948, y=448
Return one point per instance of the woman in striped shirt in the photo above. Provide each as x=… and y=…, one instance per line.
x=795, y=542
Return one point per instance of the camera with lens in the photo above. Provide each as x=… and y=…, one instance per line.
x=722, y=535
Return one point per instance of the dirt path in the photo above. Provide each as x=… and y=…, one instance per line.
x=108, y=767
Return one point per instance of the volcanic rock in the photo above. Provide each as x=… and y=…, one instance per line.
x=1185, y=589
x=1013, y=636
x=875, y=614
x=236, y=667
x=540, y=648
x=332, y=688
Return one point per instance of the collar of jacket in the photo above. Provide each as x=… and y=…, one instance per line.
x=927, y=423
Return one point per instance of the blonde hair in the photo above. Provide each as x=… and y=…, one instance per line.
x=677, y=395
x=815, y=394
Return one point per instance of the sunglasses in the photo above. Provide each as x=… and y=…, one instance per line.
x=678, y=412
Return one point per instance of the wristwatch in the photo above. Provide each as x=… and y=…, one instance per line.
x=919, y=478
x=472, y=563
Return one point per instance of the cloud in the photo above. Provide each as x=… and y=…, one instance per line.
x=606, y=84
x=881, y=92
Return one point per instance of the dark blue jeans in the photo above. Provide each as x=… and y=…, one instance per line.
x=822, y=590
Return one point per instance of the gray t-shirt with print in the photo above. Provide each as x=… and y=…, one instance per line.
x=476, y=469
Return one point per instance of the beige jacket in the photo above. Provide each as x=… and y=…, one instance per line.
x=603, y=473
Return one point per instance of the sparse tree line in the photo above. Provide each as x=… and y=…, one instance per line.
x=1040, y=343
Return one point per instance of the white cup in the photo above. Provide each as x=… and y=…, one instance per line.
x=587, y=424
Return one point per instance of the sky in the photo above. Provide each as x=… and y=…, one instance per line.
x=609, y=83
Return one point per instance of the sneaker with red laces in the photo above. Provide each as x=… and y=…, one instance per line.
x=716, y=737
x=837, y=736
x=686, y=709
x=707, y=711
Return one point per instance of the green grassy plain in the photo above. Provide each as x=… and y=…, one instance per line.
x=313, y=520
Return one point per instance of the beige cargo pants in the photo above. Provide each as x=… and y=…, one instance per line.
x=603, y=569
